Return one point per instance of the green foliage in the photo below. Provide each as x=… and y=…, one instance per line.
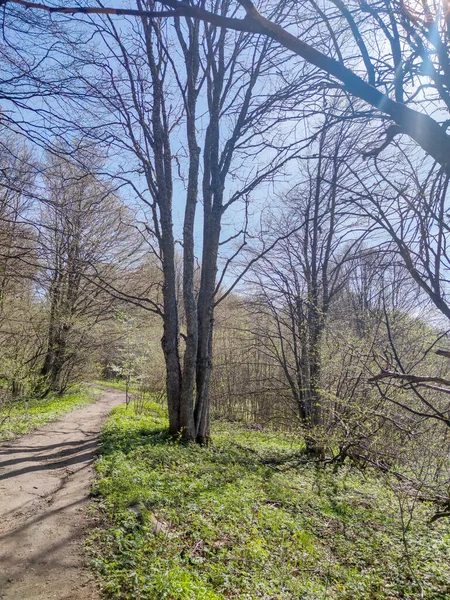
x=115, y=384
x=182, y=522
x=22, y=417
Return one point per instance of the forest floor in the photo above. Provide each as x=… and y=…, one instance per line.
x=247, y=519
x=243, y=519
x=45, y=480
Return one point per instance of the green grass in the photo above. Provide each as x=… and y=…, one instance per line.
x=22, y=418
x=179, y=522
x=115, y=384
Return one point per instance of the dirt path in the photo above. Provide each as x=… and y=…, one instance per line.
x=44, y=494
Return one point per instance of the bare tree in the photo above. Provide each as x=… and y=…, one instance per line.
x=415, y=48
x=20, y=344
x=83, y=233
x=299, y=280
x=160, y=114
x=17, y=240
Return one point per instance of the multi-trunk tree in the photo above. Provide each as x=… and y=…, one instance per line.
x=195, y=115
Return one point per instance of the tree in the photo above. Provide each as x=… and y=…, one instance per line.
x=17, y=241
x=20, y=347
x=83, y=234
x=298, y=281
x=408, y=206
x=415, y=48
x=198, y=127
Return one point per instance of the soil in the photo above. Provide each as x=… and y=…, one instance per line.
x=45, y=480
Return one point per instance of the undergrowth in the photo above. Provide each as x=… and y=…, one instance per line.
x=22, y=417
x=180, y=522
x=115, y=384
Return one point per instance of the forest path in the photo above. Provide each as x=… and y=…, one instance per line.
x=45, y=480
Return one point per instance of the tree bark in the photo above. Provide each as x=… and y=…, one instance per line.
x=160, y=142
x=192, y=59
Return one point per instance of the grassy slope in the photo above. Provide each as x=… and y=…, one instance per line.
x=21, y=419
x=181, y=522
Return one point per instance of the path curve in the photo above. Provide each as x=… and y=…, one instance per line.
x=45, y=480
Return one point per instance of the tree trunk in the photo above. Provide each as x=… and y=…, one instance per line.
x=159, y=174
x=205, y=323
x=169, y=341
x=192, y=58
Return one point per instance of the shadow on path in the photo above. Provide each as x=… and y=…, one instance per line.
x=45, y=480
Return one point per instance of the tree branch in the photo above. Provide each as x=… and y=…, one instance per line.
x=418, y=379
x=427, y=132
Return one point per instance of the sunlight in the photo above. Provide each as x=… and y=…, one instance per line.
x=428, y=10
x=224, y=299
